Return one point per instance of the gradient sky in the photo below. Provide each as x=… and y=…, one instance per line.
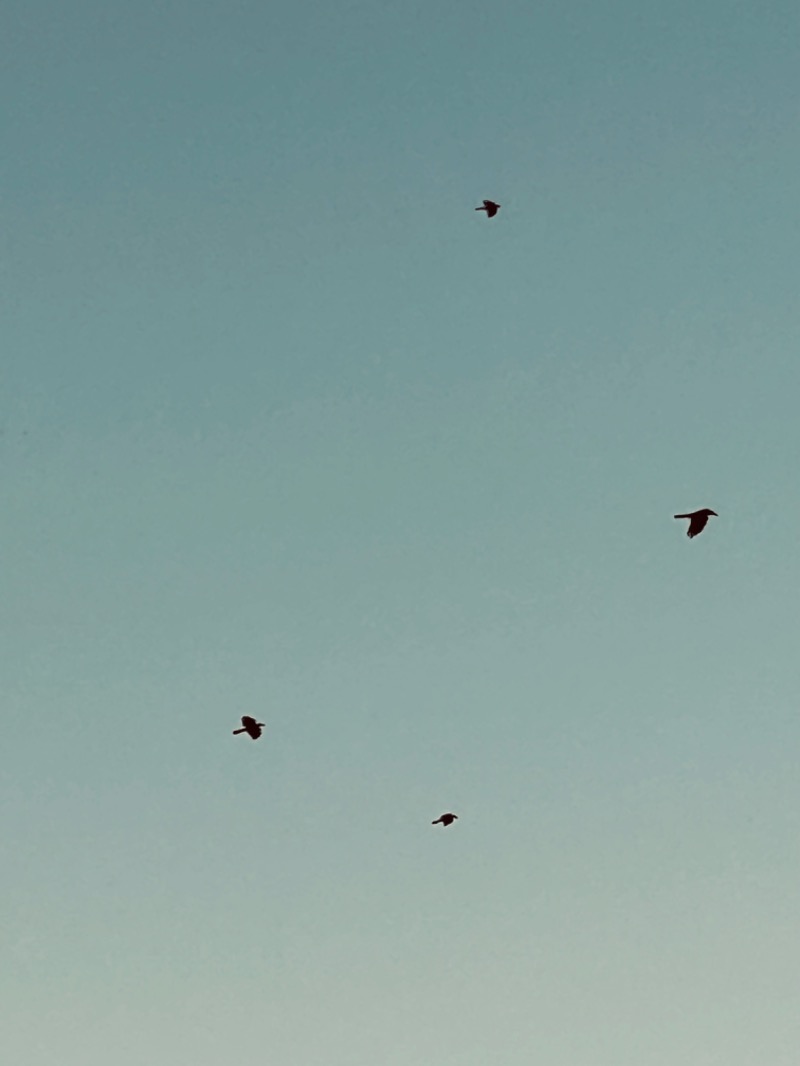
x=287, y=429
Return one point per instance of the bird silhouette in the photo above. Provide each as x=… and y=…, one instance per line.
x=251, y=727
x=445, y=819
x=697, y=520
x=490, y=207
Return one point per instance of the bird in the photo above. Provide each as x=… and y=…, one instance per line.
x=445, y=819
x=250, y=726
x=490, y=207
x=697, y=520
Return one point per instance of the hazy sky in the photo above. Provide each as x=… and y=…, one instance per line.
x=287, y=429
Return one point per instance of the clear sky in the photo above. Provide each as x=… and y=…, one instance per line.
x=287, y=429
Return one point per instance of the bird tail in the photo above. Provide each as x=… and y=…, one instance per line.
x=682, y=516
x=239, y=731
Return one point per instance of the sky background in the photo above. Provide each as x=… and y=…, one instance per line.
x=287, y=429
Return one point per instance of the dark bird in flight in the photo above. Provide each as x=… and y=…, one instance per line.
x=251, y=727
x=697, y=520
x=445, y=819
x=490, y=207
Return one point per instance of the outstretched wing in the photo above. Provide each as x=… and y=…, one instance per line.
x=248, y=722
x=697, y=524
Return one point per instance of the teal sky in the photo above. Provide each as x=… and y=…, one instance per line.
x=287, y=429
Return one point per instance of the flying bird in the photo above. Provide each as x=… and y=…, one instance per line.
x=490, y=207
x=697, y=520
x=445, y=819
x=250, y=726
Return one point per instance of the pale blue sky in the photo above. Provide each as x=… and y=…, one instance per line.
x=289, y=430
